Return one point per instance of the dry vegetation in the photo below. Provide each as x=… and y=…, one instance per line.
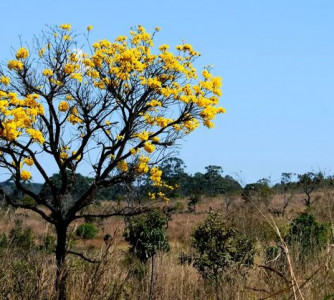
x=29, y=274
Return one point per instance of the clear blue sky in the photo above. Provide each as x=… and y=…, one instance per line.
x=276, y=59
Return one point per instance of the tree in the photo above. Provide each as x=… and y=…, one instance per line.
x=114, y=112
x=173, y=170
x=220, y=247
x=308, y=182
x=258, y=193
x=146, y=236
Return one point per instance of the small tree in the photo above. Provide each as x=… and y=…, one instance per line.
x=220, y=248
x=112, y=109
x=146, y=236
x=308, y=182
x=307, y=235
x=259, y=193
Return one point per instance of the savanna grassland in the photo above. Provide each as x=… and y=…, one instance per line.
x=108, y=271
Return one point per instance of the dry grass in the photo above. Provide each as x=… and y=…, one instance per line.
x=30, y=274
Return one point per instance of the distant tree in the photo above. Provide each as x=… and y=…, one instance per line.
x=308, y=182
x=173, y=170
x=213, y=177
x=146, y=236
x=193, y=201
x=220, y=248
x=259, y=193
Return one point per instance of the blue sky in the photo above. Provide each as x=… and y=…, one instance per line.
x=276, y=59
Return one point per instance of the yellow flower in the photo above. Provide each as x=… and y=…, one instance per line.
x=41, y=52
x=25, y=175
x=63, y=155
x=29, y=161
x=4, y=80
x=65, y=26
x=70, y=68
x=76, y=76
x=15, y=64
x=74, y=153
x=156, y=175
x=67, y=37
x=149, y=147
x=123, y=166
x=22, y=53
x=36, y=135
x=142, y=166
x=89, y=27
x=156, y=139
x=47, y=72
x=63, y=106
x=143, y=136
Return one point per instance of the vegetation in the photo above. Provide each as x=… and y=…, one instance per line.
x=116, y=109
x=219, y=249
x=113, y=110
x=87, y=231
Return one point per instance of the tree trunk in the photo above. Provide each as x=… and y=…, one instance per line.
x=61, y=273
x=150, y=296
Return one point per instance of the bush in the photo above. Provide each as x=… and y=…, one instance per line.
x=146, y=235
x=21, y=238
x=220, y=248
x=3, y=240
x=87, y=231
x=307, y=236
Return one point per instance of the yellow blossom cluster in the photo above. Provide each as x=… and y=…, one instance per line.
x=65, y=26
x=149, y=147
x=25, y=175
x=142, y=166
x=47, y=72
x=123, y=166
x=19, y=115
x=74, y=116
x=22, y=53
x=156, y=176
x=29, y=161
x=63, y=106
x=4, y=80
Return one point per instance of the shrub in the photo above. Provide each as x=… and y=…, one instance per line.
x=306, y=235
x=87, y=231
x=220, y=248
x=146, y=235
x=21, y=238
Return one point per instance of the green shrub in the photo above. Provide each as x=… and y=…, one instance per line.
x=87, y=231
x=219, y=248
x=146, y=235
x=3, y=241
x=307, y=236
x=21, y=238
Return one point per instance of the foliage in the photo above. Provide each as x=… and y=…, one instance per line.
x=87, y=231
x=3, y=240
x=146, y=235
x=307, y=235
x=258, y=193
x=21, y=238
x=308, y=182
x=220, y=247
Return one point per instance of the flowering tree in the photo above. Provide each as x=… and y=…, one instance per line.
x=112, y=110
